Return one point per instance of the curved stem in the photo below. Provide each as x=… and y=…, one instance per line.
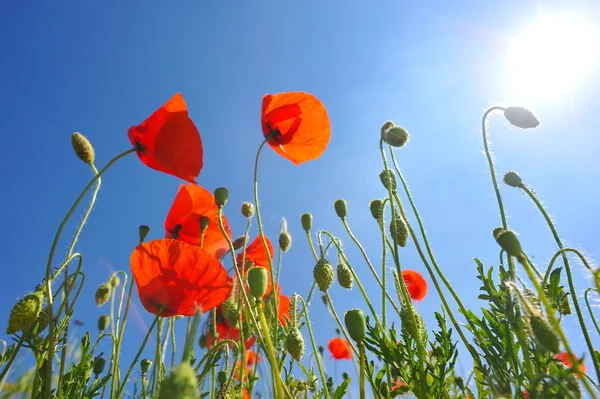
x=339, y=323
x=315, y=350
x=589, y=307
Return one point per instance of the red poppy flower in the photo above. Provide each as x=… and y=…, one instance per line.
x=246, y=393
x=183, y=221
x=340, y=349
x=564, y=357
x=415, y=283
x=398, y=384
x=298, y=125
x=252, y=357
x=178, y=277
x=169, y=141
x=257, y=253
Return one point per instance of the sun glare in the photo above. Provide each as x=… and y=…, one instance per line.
x=552, y=57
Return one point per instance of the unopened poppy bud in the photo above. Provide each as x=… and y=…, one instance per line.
x=99, y=364
x=239, y=242
x=509, y=242
x=496, y=232
x=544, y=333
x=388, y=179
x=294, y=344
x=344, y=275
x=102, y=294
x=248, y=209
x=145, y=365
x=324, y=299
x=313, y=383
x=231, y=311
x=345, y=375
x=115, y=281
x=460, y=382
x=25, y=312
x=307, y=221
x=399, y=230
x=180, y=384
x=340, y=208
x=204, y=221
x=285, y=241
x=221, y=196
x=376, y=207
x=103, y=322
x=412, y=323
x=573, y=386
x=43, y=319
x=384, y=389
x=323, y=274
x=513, y=179
x=356, y=324
x=321, y=349
x=386, y=126
x=257, y=280
x=144, y=230
x=222, y=377
x=83, y=148
x=521, y=117
x=396, y=136
x=203, y=341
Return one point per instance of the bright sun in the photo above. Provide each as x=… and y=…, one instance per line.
x=552, y=57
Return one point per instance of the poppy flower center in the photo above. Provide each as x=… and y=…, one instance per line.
x=175, y=232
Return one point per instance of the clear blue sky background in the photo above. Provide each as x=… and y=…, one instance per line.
x=100, y=67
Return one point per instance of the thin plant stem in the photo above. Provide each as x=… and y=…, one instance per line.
x=173, y=343
x=589, y=307
x=157, y=357
x=310, y=244
x=339, y=323
x=270, y=350
x=12, y=359
x=361, y=348
x=560, y=252
x=119, y=338
x=50, y=353
x=188, y=347
x=213, y=373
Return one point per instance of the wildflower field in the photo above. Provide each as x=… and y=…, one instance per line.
x=195, y=302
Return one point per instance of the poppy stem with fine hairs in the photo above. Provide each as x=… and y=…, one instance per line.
x=270, y=350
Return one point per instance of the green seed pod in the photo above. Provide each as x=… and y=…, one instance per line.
x=25, y=312
x=384, y=389
x=145, y=365
x=83, y=148
x=180, y=384
x=99, y=364
x=356, y=324
x=144, y=230
x=221, y=196
x=544, y=333
x=321, y=350
x=204, y=221
x=247, y=209
x=222, y=377
x=340, y=208
x=294, y=344
x=376, y=207
x=239, y=242
x=386, y=126
x=521, y=117
x=102, y=294
x=345, y=376
x=509, y=242
x=203, y=341
x=513, y=179
x=323, y=274
x=307, y=221
x=285, y=241
x=496, y=232
x=344, y=275
x=399, y=230
x=103, y=322
x=388, y=180
x=396, y=136
x=257, y=280
x=115, y=281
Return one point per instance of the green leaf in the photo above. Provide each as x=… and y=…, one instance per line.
x=341, y=390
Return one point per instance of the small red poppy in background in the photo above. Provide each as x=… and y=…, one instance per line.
x=169, y=141
x=257, y=254
x=340, y=349
x=178, y=277
x=415, y=283
x=183, y=221
x=252, y=357
x=284, y=302
x=297, y=125
x=225, y=331
x=398, y=384
x=564, y=357
x=246, y=394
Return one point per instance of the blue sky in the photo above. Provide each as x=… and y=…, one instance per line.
x=99, y=68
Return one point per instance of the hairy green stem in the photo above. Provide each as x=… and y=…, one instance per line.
x=270, y=350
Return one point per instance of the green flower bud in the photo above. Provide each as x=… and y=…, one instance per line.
x=239, y=242
x=103, y=322
x=544, y=333
x=376, y=207
x=356, y=324
x=313, y=383
x=222, y=377
x=496, y=232
x=231, y=311
x=203, y=341
x=144, y=230
x=307, y=221
x=323, y=274
x=257, y=280
x=285, y=241
x=294, y=344
x=145, y=365
x=384, y=389
x=221, y=196
x=25, y=312
x=180, y=384
x=83, y=148
x=386, y=126
x=513, y=179
x=247, y=209
x=388, y=180
x=460, y=382
x=396, y=136
x=521, y=117
x=340, y=208
x=204, y=221
x=399, y=230
x=572, y=384
x=99, y=364
x=413, y=327
x=345, y=376
x=102, y=294
x=321, y=350
x=115, y=281
x=509, y=242
x=344, y=275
